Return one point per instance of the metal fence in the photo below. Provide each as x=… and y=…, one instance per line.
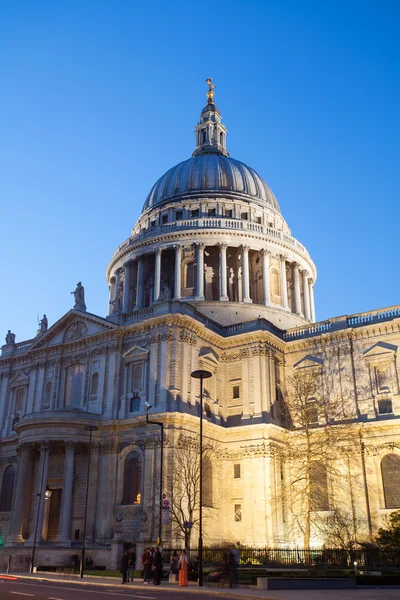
x=296, y=557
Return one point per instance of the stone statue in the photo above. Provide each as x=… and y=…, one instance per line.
x=117, y=303
x=43, y=324
x=79, y=295
x=10, y=337
x=165, y=294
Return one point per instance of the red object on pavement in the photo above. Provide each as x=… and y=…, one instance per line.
x=9, y=577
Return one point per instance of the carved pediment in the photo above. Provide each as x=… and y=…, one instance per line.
x=381, y=351
x=73, y=326
x=136, y=353
x=19, y=380
x=209, y=355
x=309, y=362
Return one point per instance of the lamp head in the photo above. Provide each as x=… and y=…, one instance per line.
x=147, y=406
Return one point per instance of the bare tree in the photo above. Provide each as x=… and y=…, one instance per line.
x=315, y=418
x=342, y=530
x=182, y=485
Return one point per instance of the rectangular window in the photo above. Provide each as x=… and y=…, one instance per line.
x=238, y=512
x=135, y=404
x=152, y=224
x=228, y=213
x=77, y=534
x=164, y=219
x=258, y=220
x=179, y=215
x=244, y=216
x=73, y=385
x=19, y=399
x=211, y=212
x=236, y=391
x=236, y=471
x=385, y=407
x=137, y=377
x=194, y=213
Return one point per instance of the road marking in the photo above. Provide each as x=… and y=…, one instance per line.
x=50, y=598
x=85, y=591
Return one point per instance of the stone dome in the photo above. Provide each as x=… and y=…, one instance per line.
x=214, y=174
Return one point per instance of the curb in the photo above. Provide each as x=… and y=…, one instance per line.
x=72, y=579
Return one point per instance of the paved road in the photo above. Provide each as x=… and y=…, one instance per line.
x=48, y=590
x=63, y=590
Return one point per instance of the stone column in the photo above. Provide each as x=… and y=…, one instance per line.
x=178, y=261
x=245, y=274
x=297, y=292
x=126, y=301
x=117, y=282
x=42, y=485
x=200, y=271
x=19, y=495
x=64, y=534
x=285, y=304
x=312, y=305
x=139, y=283
x=222, y=272
x=92, y=495
x=266, y=285
x=112, y=295
x=157, y=274
x=306, y=296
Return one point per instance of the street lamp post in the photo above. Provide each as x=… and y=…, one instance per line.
x=201, y=374
x=160, y=424
x=90, y=429
x=39, y=495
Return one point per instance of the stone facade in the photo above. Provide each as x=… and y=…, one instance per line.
x=210, y=278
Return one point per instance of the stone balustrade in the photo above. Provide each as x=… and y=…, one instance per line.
x=344, y=322
x=211, y=223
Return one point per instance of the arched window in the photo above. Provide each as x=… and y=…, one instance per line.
x=47, y=395
x=391, y=480
x=207, y=481
x=73, y=385
x=274, y=279
x=7, y=488
x=132, y=479
x=94, y=387
x=318, y=487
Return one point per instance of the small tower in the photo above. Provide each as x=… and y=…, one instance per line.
x=210, y=132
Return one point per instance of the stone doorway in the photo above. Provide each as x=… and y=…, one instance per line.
x=53, y=521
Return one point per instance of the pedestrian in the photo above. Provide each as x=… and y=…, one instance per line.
x=124, y=566
x=183, y=569
x=146, y=560
x=236, y=560
x=132, y=564
x=157, y=563
x=173, y=563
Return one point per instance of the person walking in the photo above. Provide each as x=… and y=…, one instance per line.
x=146, y=560
x=132, y=564
x=183, y=569
x=124, y=566
x=157, y=562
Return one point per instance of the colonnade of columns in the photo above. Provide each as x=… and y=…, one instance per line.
x=33, y=503
x=302, y=282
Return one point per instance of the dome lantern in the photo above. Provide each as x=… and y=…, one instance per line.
x=210, y=132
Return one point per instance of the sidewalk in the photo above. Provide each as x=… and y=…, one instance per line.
x=249, y=593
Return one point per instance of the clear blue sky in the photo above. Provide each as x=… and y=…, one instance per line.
x=100, y=97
